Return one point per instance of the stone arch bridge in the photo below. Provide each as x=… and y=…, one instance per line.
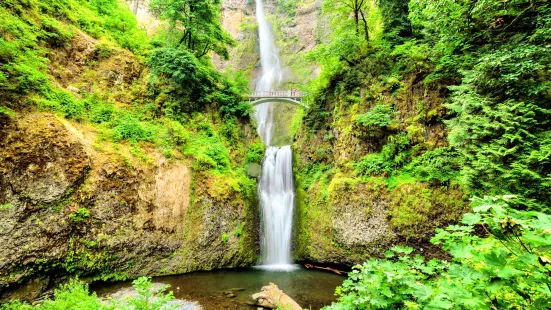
x=282, y=96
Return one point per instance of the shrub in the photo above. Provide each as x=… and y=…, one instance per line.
x=374, y=164
x=507, y=267
x=73, y=295
x=439, y=165
x=189, y=82
x=64, y=101
x=255, y=153
x=102, y=113
x=149, y=297
x=230, y=96
x=129, y=128
x=22, y=62
x=80, y=215
x=380, y=115
x=239, y=230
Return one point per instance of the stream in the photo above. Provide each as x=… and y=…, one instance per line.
x=311, y=289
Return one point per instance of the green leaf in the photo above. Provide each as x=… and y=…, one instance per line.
x=471, y=218
x=495, y=260
x=507, y=273
x=402, y=249
x=422, y=292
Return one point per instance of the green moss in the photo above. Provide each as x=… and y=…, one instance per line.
x=79, y=215
x=416, y=209
x=6, y=206
x=225, y=238
x=5, y=111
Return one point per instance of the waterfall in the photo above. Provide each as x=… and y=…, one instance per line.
x=275, y=188
x=271, y=73
x=276, y=191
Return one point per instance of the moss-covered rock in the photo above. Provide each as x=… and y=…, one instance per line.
x=103, y=215
x=342, y=222
x=416, y=209
x=358, y=193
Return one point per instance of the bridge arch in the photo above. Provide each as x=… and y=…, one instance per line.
x=291, y=96
x=259, y=101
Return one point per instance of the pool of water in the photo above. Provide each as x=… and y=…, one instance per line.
x=311, y=289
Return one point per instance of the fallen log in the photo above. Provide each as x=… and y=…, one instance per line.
x=310, y=266
x=272, y=297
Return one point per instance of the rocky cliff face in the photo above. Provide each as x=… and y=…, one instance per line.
x=346, y=217
x=67, y=208
x=73, y=202
x=297, y=28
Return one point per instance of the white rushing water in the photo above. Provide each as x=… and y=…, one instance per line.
x=271, y=76
x=275, y=188
x=277, y=197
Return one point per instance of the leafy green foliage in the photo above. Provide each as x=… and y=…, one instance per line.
x=439, y=165
x=5, y=206
x=384, y=284
x=102, y=113
x=230, y=95
x=396, y=23
x=255, y=154
x=502, y=134
x=64, y=102
x=315, y=172
x=22, y=61
x=194, y=25
x=239, y=230
x=80, y=215
x=288, y=6
x=225, y=238
x=207, y=147
x=192, y=83
x=129, y=128
x=116, y=21
x=149, y=297
x=501, y=107
x=488, y=61
x=186, y=76
x=393, y=155
x=74, y=295
x=507, y=267
x=374, y=164
x=357, y=9
x=30, y=28
x=380, y=115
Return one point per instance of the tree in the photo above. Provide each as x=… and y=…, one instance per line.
x=196, y=24
x=358, y=9
x=498, y=55
x=397, y=26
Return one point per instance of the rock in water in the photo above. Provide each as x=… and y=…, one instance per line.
x=272, y=297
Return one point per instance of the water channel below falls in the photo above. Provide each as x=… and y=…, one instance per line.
x=311, y=289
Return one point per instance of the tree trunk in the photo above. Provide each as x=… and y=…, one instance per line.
x=136, y=5
x=366, y=28
x=357, y=21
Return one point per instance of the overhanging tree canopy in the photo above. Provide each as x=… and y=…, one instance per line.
x=196, y=23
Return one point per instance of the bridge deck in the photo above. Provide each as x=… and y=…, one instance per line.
x=292, y=94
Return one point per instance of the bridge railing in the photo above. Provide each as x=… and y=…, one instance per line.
x=277, y=94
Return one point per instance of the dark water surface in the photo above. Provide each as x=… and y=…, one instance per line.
x=311, y=289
